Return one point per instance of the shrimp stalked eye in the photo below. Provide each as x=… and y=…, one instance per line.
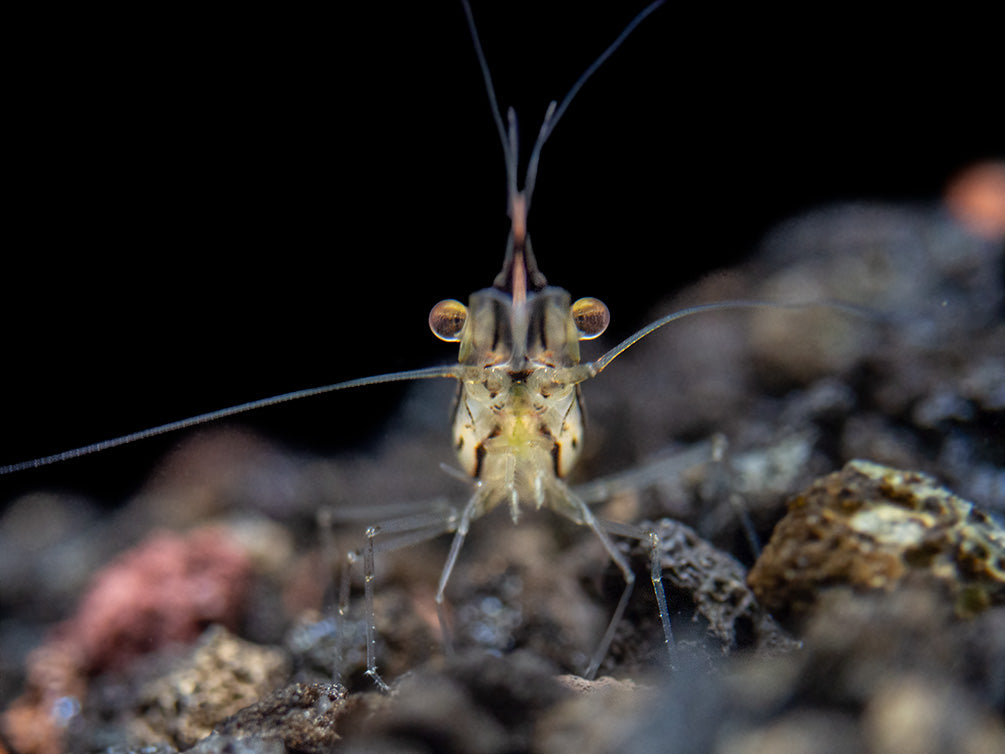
x=447, y=319
x=591, y=316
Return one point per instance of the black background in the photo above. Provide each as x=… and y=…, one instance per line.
x=210, y=208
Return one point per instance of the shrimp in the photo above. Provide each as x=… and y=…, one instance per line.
x=518, y=426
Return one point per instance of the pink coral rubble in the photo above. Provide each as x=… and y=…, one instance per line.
x=166, y=590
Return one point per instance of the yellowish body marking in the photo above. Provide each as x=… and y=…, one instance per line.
x=508, y=403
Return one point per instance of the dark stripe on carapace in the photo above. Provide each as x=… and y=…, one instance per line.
x=556, y=448
x=542, y=330
x=480, y=451
x=479, y=459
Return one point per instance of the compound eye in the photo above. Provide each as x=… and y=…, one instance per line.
x=591, y=317
x=447, y=319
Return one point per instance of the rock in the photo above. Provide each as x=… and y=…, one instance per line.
x=717, y=583
x=221, y=675
x=167, y=589
x=873, y=527
x=163, y=591
x=474, y=702
x=300, y=717
x=598, y=719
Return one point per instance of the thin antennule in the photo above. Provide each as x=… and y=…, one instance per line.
x=511, y=179
x=192, y=421
x=555, y=113
x=518, y=201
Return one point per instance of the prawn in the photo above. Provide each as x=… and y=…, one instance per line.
x=518, y=427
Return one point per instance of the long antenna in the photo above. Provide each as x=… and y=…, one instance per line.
x=519, y=203
x=192, y=421
x=840, y=306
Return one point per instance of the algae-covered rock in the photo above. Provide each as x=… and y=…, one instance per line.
x=872, y=527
